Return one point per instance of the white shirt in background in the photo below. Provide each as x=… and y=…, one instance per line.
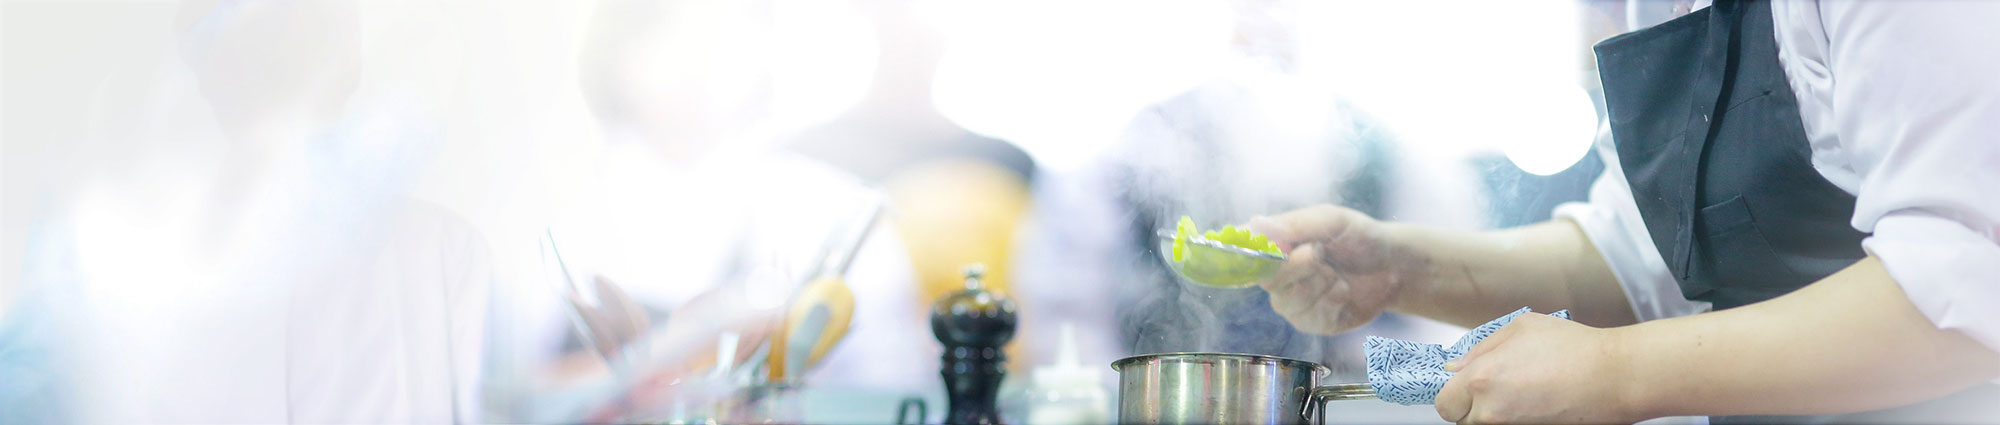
x=314, y=291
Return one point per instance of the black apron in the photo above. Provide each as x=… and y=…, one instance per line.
x=1708, y=132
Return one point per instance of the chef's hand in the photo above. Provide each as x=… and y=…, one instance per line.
x=1538, y=369
x=687, y=345
x=614, y=320
x=1342, y=268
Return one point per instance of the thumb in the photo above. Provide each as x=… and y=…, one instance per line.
x=1459, y=363
x=1491, y=343
x=1303, y=225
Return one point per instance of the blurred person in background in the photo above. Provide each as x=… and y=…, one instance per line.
x=277, y=273
x=957, y=197
x=695, y=224
x=1763, y=241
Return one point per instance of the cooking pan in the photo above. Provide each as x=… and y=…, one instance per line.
x=1223, y=388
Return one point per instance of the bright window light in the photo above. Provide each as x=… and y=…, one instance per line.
x=1459, y=77
x=1060, y=78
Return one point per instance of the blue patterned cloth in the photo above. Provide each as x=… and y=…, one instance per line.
x=1411, y=373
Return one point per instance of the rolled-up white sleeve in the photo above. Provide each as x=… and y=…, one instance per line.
x=1610, y=219
x=1916, y=103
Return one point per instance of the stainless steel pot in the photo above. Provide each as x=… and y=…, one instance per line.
x=1205, y=388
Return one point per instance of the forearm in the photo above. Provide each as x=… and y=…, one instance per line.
x=1468, y=278
x=1851, y=342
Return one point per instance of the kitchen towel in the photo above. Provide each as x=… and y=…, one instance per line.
x=1411, y=373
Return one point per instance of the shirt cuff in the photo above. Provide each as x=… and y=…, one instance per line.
x=1947, y=270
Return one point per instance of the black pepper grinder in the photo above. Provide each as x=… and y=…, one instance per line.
x=973, y=324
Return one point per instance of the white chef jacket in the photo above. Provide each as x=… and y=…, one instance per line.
x=1901, y=105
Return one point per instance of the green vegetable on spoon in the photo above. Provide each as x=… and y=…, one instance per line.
x=1225, y=258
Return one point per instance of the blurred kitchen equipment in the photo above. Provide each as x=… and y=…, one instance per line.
x=903, y=410
x=973, y=324
x=815, y=322
x=837, y=253
x=769, y=403
x=1065, y=392
x=1216, y=264
x=1185, y=388
x=609, y=322
x=819, y=312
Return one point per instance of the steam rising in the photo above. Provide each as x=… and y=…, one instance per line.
x=1255, y=143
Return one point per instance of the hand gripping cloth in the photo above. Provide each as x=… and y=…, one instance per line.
x=1410, y=373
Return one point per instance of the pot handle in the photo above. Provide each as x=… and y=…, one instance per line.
x=1316, y=400
x=903, y=411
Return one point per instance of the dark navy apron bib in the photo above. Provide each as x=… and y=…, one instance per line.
x=1708, y=132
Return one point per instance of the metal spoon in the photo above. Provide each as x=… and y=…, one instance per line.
x=1213, y=263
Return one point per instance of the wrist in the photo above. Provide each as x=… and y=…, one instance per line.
x=1418, y=275
x=1632, y=398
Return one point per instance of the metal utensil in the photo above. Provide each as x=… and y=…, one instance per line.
x=815, y=322
x=1184, y=388
x=837, y=253
x=820, y=309
x=593, y=297
x=1212, y=263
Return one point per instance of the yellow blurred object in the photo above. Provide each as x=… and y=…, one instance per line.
x=956, y=212
x=816, y=320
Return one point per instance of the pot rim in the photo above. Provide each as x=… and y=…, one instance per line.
x=1319, y=371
